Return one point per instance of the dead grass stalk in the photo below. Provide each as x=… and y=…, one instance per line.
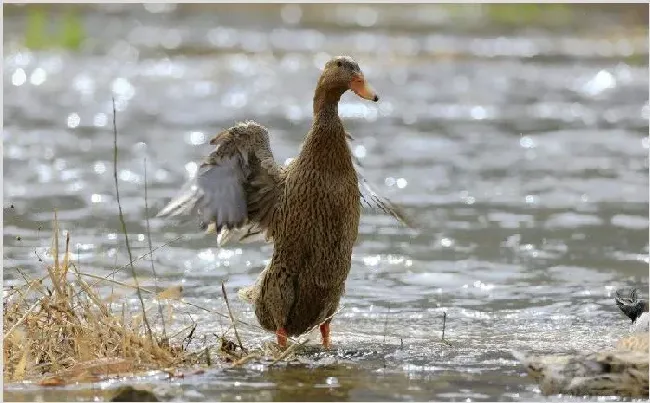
x=68, y=333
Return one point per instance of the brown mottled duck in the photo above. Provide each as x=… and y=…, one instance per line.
x=619, y=371
x=309, y=209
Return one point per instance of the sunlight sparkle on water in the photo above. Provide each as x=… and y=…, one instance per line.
x=195, y=138
x=38, y=76
x=19, y=77
x=100, y=120
x=191, y=168
x=73, y=120
x=99, y=167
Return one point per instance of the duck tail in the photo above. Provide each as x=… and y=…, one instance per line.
x=248, y=294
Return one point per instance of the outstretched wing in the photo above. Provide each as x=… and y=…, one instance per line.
x=370, y=198
x=237, y=187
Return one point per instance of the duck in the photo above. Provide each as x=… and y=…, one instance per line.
x=618, y=371
x=309, y=209
x=635, y=308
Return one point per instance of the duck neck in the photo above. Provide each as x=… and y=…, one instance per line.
x=326, y=139
x=326, y=111
x=326, y=103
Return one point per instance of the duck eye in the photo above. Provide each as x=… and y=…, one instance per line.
x=339, y=63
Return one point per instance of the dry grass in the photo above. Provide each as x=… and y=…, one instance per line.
x=67, y=332
x=59, y=329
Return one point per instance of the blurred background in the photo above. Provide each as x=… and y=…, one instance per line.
x=516, y=135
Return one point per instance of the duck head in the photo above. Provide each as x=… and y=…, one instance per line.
x=342, y=73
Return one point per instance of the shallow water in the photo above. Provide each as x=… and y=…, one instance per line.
x=522, y=154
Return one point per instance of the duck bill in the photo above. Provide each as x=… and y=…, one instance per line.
x=362, y=88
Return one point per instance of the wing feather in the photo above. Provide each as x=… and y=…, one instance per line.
x=372, y=199
x=237, y=187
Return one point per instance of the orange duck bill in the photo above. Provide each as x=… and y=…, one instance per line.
x=361, y=87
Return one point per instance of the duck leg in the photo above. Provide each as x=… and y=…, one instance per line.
x=281, y=335
x=325, y=333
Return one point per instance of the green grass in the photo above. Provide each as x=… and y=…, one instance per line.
x=47, y=30
x=529, y=13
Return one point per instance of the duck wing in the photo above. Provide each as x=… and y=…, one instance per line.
x=372, y=199
x=237, y=187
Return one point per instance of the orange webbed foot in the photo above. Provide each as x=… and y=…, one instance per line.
x=281, y=335
x=325, y=334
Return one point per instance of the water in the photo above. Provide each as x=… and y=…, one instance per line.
x=522, y=153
